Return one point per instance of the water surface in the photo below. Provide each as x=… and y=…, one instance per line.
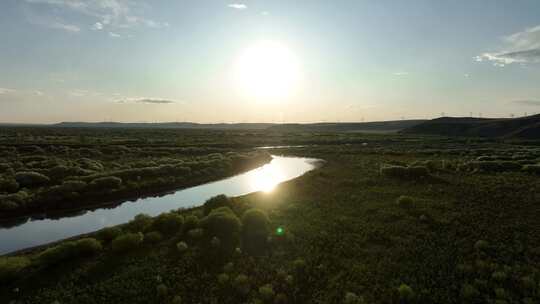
x=35, y=232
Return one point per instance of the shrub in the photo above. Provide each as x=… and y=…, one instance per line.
x=215, y=242
x=224, y=224
x=8, y=205
x=469, y=293
x=105, y=184
x=499, y=276
x=281, y=298
x=481, y=245
x=196, y=234
x=88, y=246
x=405, y=201
x=534, y=169
x=10, y=267
x=223, y=279
x=69, y=250
x=110, y=233
x=215, y=202
x=191, y=222
x=394, y=171
x=414, y=172
x=299, y=266
x=162, y=290
x=13, y=201
x=127, y=242
x=509, y=166
x=153, y=237
x=228, y=268
x=140, y=223
x=182, y=247
x=352, y=298
x=31, y=179
x=90, y=164
x=168, y=223
x=241, y=284
x=255, y=230
x=500, y=293
x=494, y=166
x=55, y=254
x=73, y=186
x=418, y=172
x=267, y=293
x=406, y=293
x=176, y=300
x=8, y=185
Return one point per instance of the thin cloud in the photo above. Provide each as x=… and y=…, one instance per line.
x=146, y=101
x=51, y=22
x=114, y=35
x=66, y=27
x=521, y=47
x=79, y=93
x=6, y=91
x=239, y=6
x=108, y=13
x=400, y=73
x=527, y=102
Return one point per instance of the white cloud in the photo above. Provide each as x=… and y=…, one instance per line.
x=98, y=26
x=521, y=47
x=146, y=100
x=109, y=13
x=239, y=6
x=400, y=73
x=79, y=93
x=66, y=27
x=114, y=35
x=6, y=91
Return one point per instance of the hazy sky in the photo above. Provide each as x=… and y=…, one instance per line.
x=222, y=61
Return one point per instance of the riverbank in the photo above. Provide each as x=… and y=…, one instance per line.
x=113, y=187
x=112, y=200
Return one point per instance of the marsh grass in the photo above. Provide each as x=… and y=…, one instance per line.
x=350, y=237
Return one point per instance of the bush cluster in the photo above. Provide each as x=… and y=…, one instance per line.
x=255, y=230
x=414, y=172
x=31, y=179
x=69, y=250
x=168, y=223
x=10, y=267
x=127, y=241
x=223, y=223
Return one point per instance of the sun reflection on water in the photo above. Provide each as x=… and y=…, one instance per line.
x=267, y=178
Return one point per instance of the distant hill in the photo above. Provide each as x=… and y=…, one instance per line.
x=523, y=127
x=164, y=125
x=380, y=126
x=371, y=127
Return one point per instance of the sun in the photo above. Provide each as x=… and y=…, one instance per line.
x=267, y=71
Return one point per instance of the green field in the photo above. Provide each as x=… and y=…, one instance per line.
x=386, y=219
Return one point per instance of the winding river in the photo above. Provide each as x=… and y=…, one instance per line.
x=36, y=232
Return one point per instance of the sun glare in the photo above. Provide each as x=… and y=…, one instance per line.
x=266, y=178
x=267, y=71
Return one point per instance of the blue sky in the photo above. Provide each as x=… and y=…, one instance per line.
x=358, y=60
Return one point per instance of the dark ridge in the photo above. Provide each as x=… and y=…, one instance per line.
x=527, y=127
x=376, y=126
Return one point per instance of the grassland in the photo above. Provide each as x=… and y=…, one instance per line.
x=387, y=219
